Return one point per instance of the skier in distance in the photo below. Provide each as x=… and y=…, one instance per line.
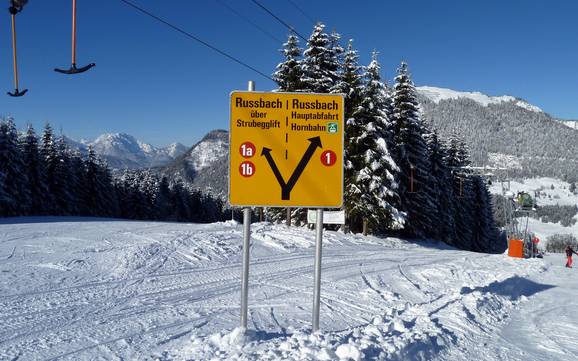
x=569, y=252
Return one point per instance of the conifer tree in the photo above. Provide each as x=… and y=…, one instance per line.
x=351, y=85
x=372, y=198
x=458, y=161
x=320, y=63
x=412, y=158
x=485, y=233
x=49, y=154
x=77, y=182
x=5, y=199
x=17, y=202
x=36, y=172
x=64, y=195
x=289, y=73
x=444, y=196
x=163, y=199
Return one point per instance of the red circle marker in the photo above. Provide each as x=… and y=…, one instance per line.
x=328, y=158
x=247, y=169
x=247, y=150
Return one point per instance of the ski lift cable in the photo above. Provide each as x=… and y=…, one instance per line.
x=278, y=19
x=254, y=24
x=301, y=11
x=191, y=36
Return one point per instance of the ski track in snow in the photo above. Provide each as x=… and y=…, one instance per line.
x=85, y=289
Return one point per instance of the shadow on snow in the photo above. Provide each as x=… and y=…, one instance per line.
x=513, y=288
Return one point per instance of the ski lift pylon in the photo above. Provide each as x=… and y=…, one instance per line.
x=13, y=10
x=73, y=69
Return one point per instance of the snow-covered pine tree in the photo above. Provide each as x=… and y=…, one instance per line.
x=458, y=161
x=149, y=186
x=289, y=73
x=130, y=198
x=486, y=234
x=444, y=195
x=78, y=181
x=320, y=63
x=338, y=54
x=182, y=201
x=36, y=172
x=412, y=157
x=371, y=197
x=91, y=187
x=49, y=152
x=163, y=199
x=351, y=85
x=17, y=195
x=100, y=194
x=5, y=199
x=65, y=197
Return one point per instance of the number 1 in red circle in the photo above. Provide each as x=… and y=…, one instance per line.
x=328, y=158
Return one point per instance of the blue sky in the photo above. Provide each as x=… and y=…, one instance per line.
x=161, y=87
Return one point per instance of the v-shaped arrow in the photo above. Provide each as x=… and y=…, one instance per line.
x=286, y=187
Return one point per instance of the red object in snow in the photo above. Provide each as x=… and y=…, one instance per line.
x=536, y=240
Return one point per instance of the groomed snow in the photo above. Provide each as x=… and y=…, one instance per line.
x=86, y=289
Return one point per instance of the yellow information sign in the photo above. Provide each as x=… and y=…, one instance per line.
x=286, y=150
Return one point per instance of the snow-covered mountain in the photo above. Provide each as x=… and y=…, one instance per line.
x=205, y=165
x=510, y=127
x=122, y=150
x=436, y=94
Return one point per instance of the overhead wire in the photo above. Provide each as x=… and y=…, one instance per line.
x=278, y=19
x=255, y=25
x=191, y=36
x=301, y=11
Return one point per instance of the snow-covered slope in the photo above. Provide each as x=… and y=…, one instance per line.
x=205, y=165
x=212, y=148
x=570, y=123
x=436, y=94
x=122, y=150
x=86, y=289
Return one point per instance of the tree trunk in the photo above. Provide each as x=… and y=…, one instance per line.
x=288, y=220
x=365, y=227
x=261, y=215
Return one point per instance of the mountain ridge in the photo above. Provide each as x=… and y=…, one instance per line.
x=122, y=150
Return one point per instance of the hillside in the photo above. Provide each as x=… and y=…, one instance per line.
x=205, y=165
x=532, y=142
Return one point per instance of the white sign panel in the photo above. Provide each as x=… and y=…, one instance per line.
x=334, y=217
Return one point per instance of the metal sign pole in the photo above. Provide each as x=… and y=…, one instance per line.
x=246, y=248
x=317, y=285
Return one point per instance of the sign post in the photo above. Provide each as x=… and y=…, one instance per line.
x=317, y=277
x=246, y=249
x=286, y=150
